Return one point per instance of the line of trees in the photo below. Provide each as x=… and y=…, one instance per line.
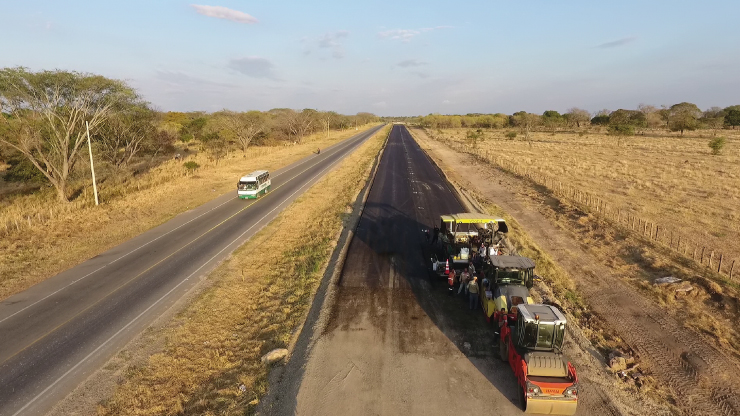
x=678, y=117
x=43, y=117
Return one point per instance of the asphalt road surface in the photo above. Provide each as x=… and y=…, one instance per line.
x=58, y=332
x=395, y=342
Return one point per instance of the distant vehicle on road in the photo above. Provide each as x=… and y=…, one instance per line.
x=254, y=185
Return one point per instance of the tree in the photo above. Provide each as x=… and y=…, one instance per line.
x=526, y=122
x=552, y=120
x=125, y=133
x=652, y=116
x=242, y=127
x=577, y=116
x=683, y=116
x=304, y=121
x=46, y=114
x=732, y=116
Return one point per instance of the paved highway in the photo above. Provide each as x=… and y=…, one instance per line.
x=58, y=332
x=395, y=343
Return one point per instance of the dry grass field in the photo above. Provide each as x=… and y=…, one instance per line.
x=668, y=180
x=210, y=364
x=40, y=237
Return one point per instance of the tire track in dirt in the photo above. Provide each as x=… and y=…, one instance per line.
x=702, y=378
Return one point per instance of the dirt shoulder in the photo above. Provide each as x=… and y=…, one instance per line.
x=695, y=373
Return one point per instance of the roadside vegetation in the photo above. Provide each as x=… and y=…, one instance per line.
x=210, y=363
x=150, y=165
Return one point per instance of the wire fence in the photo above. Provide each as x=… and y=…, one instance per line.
x=698, y=251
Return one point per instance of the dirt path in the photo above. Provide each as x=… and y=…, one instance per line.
x=703, y=379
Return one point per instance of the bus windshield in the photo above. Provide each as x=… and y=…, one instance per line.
x=248, y=186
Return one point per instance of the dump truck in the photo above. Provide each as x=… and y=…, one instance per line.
x=462, y=234
x=548, y=383
x=509, y=279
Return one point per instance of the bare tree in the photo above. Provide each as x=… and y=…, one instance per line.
x=243, y=127
x=577, y=116
x=46, y=113
x=304, y=122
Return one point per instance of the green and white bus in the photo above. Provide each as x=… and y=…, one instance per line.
x=253, y=185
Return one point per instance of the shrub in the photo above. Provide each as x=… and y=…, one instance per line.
x=621, y=130
x=717, y=144
x=510, y=135
x=22, y=170
x=191, y=166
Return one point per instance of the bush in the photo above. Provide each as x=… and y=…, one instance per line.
x=22, y=170
x=510, y=135
x=717, y=144
x=621, y=130
x=191, y=166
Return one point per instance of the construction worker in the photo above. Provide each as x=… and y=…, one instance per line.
x=501, y=319
x=473, y=290
x=451, y=282
x=464, y=280
x=435, y=237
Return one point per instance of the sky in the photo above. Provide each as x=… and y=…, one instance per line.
x=401, y=58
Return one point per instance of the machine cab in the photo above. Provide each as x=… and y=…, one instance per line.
x=510, y=270
x=539, y=328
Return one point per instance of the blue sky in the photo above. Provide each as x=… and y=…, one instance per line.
x=390, y=57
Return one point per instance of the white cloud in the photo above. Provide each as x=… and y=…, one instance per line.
x=411, y=63
x=254, y=66
x=405, y=35
x=332, y=40
x=221, y=12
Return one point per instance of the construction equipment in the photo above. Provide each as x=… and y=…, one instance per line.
x=548, y=383
x=509, y=279
x=461, y=235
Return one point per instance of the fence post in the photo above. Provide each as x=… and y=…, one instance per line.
x=732, y=269
x=702, y=256
x=711, y=256
x=719, y=267
x=678, y=245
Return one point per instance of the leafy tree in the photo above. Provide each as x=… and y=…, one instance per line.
x=552, y=120
x=683, y=116
x=193, y=129
x=526, y=122
x=46, y=114
x=600, y=120
x=732, y=116
x=125, y=133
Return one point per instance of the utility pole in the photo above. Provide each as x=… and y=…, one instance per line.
x=92, y=167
